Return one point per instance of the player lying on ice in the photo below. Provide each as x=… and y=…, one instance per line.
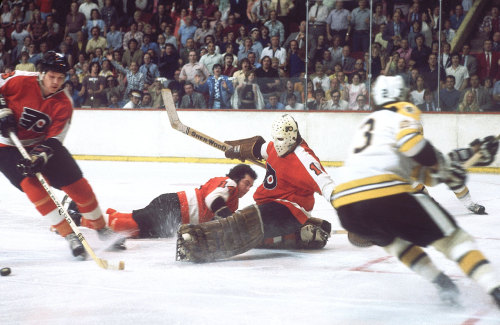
x=377, y=204
x=38, y=110
x=217, y=198
x=283, y=202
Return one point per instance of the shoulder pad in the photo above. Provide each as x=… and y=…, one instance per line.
x=407, y=109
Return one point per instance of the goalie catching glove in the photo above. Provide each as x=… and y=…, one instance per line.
x=245, y=148
x=449, y=172
x=487, y=147
x=39, y=157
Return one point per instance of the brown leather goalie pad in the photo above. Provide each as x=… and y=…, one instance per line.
x=248, y=148
x=221, y=238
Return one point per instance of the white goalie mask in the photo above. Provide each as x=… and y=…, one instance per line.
x=285, y=133
x=388, y=89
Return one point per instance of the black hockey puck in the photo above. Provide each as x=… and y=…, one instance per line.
x=5, y=271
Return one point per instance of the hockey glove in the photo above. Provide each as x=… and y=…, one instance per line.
x=245, y=148
x=39, y=157
x=488, y=147
x=7, y=120
x=450, y=172
x=222, y=213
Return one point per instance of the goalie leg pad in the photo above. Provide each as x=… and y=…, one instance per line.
x=221, y=238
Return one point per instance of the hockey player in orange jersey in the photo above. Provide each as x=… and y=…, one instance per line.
x=38, y=109
x=283, y=202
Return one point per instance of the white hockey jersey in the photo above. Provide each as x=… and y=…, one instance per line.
x=379, y=162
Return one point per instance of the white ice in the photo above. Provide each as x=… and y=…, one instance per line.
x=340, y=284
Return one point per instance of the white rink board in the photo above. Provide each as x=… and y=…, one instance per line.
x=148, y=132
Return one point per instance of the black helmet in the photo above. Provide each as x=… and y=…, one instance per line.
x=53, y=61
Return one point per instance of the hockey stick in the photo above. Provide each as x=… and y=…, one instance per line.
x=475, y=157
x=176, y=123
x=101, y=262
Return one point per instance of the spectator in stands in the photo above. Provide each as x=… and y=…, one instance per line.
x=247, y=48
x=405, y=50
x=469, y=103
x=37, y=27
x=97, y=41
x=247, y=93
x=219, y=88
x=427, y=25
x=193, y=68
x=361, y=103
x=95, y=21
x=360, y=27
x=202, y=31
x=299, y=36
x=168, y=33
x=208, y=8
x=267, y=78
x=417, y=95
x=292, y=105
x=44, y=48
x=459, y=72
x=379, y=38
x=327, y=62
x=430, y=73
x=289, y=90
x=109, y=13
x=319, y=103
x=135, y=97
x=132, y=54
x=458, y=17
x=482, y=96
x=429, y=104
x=92, y=90
x=191, y=98
x=75, y=21
x=135, y=79
x=86, y=8
x=336, y=49
x=420, y=52
x=168, y=61
x=260, y=12
x=149, y=70
x=133, y=33
x=275, y=51
x=354, y=89
x=449, y=97
x=488, y=61
x=149, y=45
x=336, y=103
x=378, y=17
x=185, y=50
x=80, y=43
x=395, y=31
x=240, y=75
x=318, y=15
x=346, y=60
x=186, y=31
x=273, y=103
x=448, y=32
x=113, y=88
x=491, y=23
x=252, y=57
x=18, y=35
x=232, y=25
x=275, y=27
x=114, y=38
x=228, y=69
x=211, y=58
x=496, y=42
x=24, y=65
x=338, y=23
x=468, y=60
x=264, y=38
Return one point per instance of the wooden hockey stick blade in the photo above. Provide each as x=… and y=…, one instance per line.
x=101, y=262
x=475, y=157
x=176, y=123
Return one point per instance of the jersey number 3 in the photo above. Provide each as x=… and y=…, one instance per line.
x=368, y=126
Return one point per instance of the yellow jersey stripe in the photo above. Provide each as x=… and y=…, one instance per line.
x=411, y=143
x=339, y=201
x=406, y=132
x=368, y=181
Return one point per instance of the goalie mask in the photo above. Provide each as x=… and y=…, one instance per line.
x=285, y=133
x=388, y=89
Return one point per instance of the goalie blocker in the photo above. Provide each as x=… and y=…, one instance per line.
x=246, y=229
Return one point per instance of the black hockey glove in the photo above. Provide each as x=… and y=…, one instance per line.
x=488, y=147
x=39, y=157
x=7, y=120
x=450, y=172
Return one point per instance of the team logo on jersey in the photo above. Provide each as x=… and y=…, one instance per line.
x=34, y=120
x=270, y=180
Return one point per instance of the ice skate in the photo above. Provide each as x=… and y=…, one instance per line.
x=75, y=245
x=476, y=208
x=108, y=234
x=448, y=291
x=496, y=295
x=70, y=207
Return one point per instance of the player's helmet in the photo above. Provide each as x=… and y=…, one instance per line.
x=388, y=89
x=53, y=61
x=285, y=133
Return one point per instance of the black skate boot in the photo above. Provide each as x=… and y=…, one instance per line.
x=70, y=207
x=477, y=208
x=75, y=245
x=448, y=291
x=107, y=234
x=496, y=295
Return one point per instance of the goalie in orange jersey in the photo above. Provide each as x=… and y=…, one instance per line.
x=39, y=111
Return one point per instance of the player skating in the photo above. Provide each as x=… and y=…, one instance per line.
x=376, y=201
x=39, y=111
x=283, y=202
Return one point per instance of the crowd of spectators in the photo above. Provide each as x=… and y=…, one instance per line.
x=252, y=54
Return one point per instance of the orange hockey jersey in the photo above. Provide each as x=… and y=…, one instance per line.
x=38, y=118
x=195, y=204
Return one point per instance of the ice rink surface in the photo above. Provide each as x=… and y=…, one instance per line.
x=339, y=284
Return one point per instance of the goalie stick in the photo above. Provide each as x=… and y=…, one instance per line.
x=101, y=262
x=176, y=123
